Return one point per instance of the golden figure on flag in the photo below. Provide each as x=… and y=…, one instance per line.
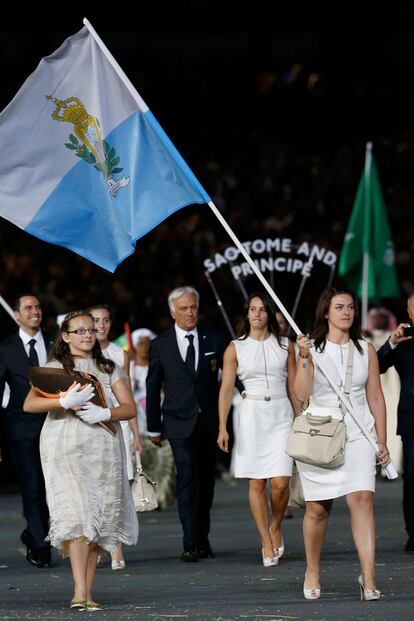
x=93, y=150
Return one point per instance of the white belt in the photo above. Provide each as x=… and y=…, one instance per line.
x=324, y=404
x=268, y=397
x=329, y=404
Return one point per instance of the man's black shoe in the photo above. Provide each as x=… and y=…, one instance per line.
x=44, y=558
x=409, y=546
x=31, y=555
x=206, y=552
x=42, y=564
x=189, y=556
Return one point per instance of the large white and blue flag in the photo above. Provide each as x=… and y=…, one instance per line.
x=88, y=167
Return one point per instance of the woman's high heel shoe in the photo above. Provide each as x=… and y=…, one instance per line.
x=117, y=565
x=366, y=594
x=278, y=552
x=269, y=561
x=311, y=593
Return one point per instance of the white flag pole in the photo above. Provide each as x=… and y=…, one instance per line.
x=8, y=309
x=365, y=258
x=128, y=84
x=253, y=265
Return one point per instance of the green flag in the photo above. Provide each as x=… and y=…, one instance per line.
x=369, y=235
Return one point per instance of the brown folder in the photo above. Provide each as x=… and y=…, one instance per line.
x=49, y=382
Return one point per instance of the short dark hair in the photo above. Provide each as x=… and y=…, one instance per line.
x=17, y=302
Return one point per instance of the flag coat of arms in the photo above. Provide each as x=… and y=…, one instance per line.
x=88, y=167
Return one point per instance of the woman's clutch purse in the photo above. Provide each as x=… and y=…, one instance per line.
x=49, y=382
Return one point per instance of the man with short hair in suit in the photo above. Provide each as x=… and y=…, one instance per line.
x=184, y=363
x=398, y=352
x=24, y=349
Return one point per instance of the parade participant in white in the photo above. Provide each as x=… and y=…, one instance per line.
x=335, y=325
x=87, y=489
x=265, y=363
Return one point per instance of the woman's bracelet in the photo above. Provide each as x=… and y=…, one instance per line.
x=304, y=356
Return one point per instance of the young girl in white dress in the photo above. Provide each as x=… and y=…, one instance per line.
x=337, y=324
x=265, y=363
x=88, y=495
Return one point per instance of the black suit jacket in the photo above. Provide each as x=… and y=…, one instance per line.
x=402, y=358
x=186, y=395
x=14, y=369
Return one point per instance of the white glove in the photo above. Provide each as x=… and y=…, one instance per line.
x=92, y=413
x=77, y=396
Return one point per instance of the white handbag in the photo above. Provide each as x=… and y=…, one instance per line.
x=296, y=497
x=320, y=440
x=143, y=489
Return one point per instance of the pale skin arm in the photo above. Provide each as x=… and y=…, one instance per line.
x=126, y=408
x=34, y=404
x=291, y=372
x=228, y=380
x=303, y=382
x=376, y=403
x=125, y=366
x=133, y=422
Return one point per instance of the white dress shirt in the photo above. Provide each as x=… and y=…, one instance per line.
x=40, y=346
x=183, y=342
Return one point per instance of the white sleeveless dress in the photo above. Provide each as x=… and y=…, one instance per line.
x=358, y=471
x=263, y=427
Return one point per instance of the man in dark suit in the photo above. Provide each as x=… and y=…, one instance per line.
x=27, y=348
x=184, y=363
x=398, y=352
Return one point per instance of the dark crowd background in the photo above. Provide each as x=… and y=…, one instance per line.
x=271, y=108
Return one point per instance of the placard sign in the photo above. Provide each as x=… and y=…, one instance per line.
x=294, y=258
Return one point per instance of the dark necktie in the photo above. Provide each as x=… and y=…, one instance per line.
x=33, y=357
x=190, y=355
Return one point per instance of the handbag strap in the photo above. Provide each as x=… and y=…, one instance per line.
x=349, y=368
x=138, y=461
x=348, y=375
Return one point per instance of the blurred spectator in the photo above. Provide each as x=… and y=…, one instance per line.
x=381, y=322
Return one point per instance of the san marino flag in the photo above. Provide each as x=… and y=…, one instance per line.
x=86, y=165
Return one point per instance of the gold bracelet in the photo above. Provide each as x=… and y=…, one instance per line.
x=304, y=356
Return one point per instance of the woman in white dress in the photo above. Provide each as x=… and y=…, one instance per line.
x=337, y=324
x=88, y=495
x=265, y=363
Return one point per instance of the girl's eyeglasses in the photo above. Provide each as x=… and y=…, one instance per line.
x=82, y=331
